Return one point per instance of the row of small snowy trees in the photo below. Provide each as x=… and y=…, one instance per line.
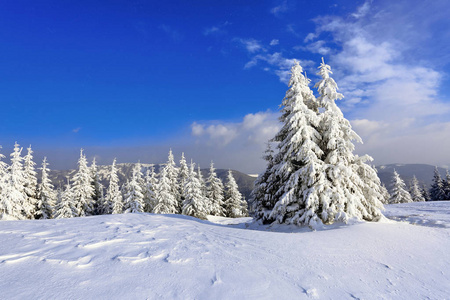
x=176, y=190
x=440, y=189
x=313, y=177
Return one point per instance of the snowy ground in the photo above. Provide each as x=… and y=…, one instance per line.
x=139, y=256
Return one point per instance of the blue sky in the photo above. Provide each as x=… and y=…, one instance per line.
x=130, y=79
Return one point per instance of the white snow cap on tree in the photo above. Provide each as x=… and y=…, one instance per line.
x=149, y=191
x=13, y=194
x=46, y=194
x=172, y=175
x=235, y=205
x=399, y=193
x=113, y=200
x=314, y=177
x=82, y=188
x=194, y=203
x=167, y=203
x=215, y=193
x=134, y=199
x=66, y=206
x=415, y=192
x=30, y=184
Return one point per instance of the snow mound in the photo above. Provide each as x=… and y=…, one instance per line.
x=139, y=256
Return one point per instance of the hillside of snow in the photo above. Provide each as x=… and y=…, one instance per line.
x=140, y=256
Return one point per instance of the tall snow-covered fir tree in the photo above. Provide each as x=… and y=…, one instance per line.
x=172, y=175
x=82, y=188
x=399, y=193
x=30, y=184
x=66, y=206
x=446, y=185
x=166, y=201
x=415, y=192
x=46, y=196
x=314, y=177
x=98, y=188
x=133, y=201
x=215, y=193
x=113, y=200
x=194, y=203
x=183, y=174
x=437, y=192
x=13, y=194
x=149, y=190
x=235, y=205
x=386, y=195
x=202, y=182
x=297, y=175
x=424, y=192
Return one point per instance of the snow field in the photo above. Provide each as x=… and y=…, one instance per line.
x=148, y=256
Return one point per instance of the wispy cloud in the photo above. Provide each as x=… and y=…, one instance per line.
x=280, y=8
x=274, y=42
x=76, y=130
x=216, y=29
x=391, y=92
x=251, y=45
x=171, y=32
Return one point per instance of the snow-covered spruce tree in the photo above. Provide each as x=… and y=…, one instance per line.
x=203, y=187
x=46, y=196
x=215, y=193
x=166, y=201
x=113, y=201
x=194, y=203
x=183, y=174
x=98, y=188
x=234, y=202
x=82, y=188
x=386, y=195
x=355, y=189
x=399, y=193
x=424, y=192
x=134, y=199
x=262, y=197
x=296, y=181
x=30, y=184
x=149, y=190
x=66, y=206
x=415, y=192
x=172, y=175
x=446, y=185
x=13, y=194
x=437, y=192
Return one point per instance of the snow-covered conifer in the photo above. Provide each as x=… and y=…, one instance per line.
x=134, y=199
x=166, y=201
x=194, y=203
x=82, y=188
x=46, y=197
x=66, y=206
x=296, y=180
x=437, y=192
x=262, y=197
x=149, y=190
x=355, y=188
x=13, y=194
x=202, y=183
x=399, y=193
x=98, y=188
x=215, y=193
x=386, y=195
x=30, y=184
x=415, y=192
x=183, y=174
x=234, y=201
x=172, y=175
x=424, y=192
x=113, y=201
x=446, y=185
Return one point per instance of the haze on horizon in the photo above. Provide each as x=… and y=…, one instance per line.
x=132, y=80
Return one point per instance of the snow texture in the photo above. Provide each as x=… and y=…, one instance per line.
x=148, y=256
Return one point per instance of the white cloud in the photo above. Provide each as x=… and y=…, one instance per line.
x=76, y=130
x=280, y=9
x=251, y=45
x=274, y=42
x=216, y=29
x=241, y=144
x=391, y=93
x=282, y=64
